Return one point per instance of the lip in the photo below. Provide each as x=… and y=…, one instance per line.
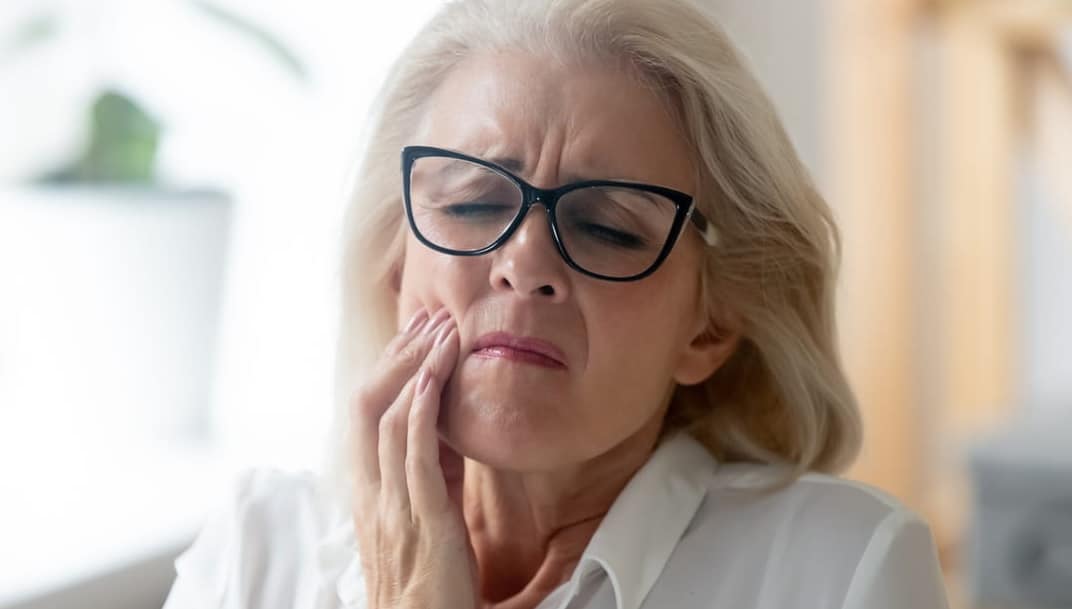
x=524, y=349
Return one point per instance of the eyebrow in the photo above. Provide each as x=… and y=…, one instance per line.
x=509, y=163
x=516, y=166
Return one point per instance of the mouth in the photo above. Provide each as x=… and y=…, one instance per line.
x=520, y=349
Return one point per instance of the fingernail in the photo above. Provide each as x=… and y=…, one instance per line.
x=440, y=316
x=443, y=333
x=416, y=320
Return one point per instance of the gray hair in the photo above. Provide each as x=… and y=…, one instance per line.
x=782, y=397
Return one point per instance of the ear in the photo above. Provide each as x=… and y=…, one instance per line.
x=711, y=345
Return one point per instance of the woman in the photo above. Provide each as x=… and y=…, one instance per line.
x=613, y=379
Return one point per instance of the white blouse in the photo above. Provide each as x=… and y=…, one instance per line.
x=685, y=532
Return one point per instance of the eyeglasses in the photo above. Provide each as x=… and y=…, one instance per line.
x=613, y=230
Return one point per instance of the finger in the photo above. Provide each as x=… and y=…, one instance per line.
x=392, y=451
x=393, y=440
x=401, y=358
x=427, y=486
x=366, y=409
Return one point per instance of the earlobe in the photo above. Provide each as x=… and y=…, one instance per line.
x=705, y=354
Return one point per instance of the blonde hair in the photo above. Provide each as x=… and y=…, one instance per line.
x=782, y=397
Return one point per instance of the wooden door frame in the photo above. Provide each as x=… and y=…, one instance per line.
x=928, y=293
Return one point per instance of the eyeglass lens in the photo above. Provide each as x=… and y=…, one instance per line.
x=612, y=231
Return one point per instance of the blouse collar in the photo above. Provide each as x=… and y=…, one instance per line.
x=631, y=546
x=637, y=536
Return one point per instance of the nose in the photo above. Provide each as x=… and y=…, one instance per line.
x=529, y=263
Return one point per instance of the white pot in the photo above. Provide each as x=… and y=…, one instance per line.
x=109, y=307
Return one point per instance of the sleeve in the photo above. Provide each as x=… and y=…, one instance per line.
x=899, y=568
x=204, y=570
x=250, y=552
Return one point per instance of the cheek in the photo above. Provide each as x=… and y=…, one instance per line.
x=430, y=279
x=640, y=337
x=632, y=344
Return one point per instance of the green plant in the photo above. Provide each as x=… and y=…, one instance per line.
x=122, y=145
x=123, y=136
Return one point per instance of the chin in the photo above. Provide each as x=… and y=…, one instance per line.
x=503, y=433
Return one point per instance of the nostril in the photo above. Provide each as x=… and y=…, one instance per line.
x=547, y=290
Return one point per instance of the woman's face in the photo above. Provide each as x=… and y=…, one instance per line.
x=623, y=346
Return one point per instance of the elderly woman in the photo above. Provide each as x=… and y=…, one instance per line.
x=612, y=380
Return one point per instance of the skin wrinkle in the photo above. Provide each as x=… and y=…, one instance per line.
x=547, y=452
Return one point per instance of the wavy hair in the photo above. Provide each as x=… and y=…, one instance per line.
x=782, y=397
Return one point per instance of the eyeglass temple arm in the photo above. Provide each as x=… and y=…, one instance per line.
x=707, y=230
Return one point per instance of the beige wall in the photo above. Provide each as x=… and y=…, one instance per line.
x=784, y=42
x=839, y=92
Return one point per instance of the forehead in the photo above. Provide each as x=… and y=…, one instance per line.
x=583, y=120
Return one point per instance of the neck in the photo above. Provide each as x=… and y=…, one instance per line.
x=529, y=529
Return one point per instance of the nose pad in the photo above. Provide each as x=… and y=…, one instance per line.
x=526, y=227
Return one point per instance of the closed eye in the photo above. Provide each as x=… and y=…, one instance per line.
x=613, y=236
x=477, y=210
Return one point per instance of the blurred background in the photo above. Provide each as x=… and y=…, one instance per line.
x=171, y=185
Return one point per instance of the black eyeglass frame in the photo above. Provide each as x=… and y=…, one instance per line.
x=530, y=195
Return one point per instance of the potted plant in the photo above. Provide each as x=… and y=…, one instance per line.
x=115, y=270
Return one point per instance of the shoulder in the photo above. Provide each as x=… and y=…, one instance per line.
x=268, y=496
x=844, y=511
x=258, y=545
x=273, y=510
x=835, y=538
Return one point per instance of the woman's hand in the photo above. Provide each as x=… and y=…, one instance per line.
x=415, y=549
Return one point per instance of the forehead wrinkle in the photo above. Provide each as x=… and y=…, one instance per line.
x=581, y=170
x=534, y=132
